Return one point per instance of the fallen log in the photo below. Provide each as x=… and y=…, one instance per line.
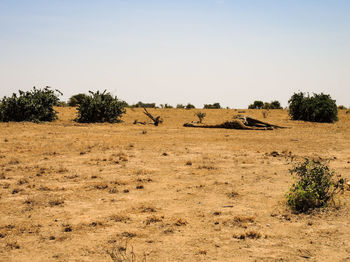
x=245, y=123
x=248, y=121
x=235, y=124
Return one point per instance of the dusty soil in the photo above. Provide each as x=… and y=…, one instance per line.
x=74, y=192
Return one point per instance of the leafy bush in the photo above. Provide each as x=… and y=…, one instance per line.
x=100, y=107
x=256, y=105
x=35, y=106
x=275, y=105
x=212, y=106
x=315, y=186
x=144, y=105
x=318, y=108
x=265, y=105
x=76, y=99
x=190, y=106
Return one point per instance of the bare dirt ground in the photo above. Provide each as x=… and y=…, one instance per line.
x=72, y=192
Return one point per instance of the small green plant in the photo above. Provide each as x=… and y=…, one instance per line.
x=100, y=107
x=315, y=187
x=35, y=105
x=200, y=116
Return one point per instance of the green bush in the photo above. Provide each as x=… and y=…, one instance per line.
x=35, y=106
x=261, y=105
x=275, y=105
x=317, y=108
x=100, y=107
x=256, y=105
x=212, y=106
x=144, y=105
x=190, y=106
x=76, y=99
x=315, y=187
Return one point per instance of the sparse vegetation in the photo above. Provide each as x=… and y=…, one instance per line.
x=315, y=187
x=166, y=106
x=100, y=107
x=34, y=106
x=200, y=116
x=122, y=253
x=317, y=108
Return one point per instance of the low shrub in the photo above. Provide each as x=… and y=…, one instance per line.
x=100, y=107
x=190, y=106
x=265, y=105
x=35, y=105
x=144, y=105
x=315, y=187
x=75, y=100
x=200, y=116
x=212, y=106
x=317, y=108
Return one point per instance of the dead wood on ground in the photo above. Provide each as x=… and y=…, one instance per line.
x=240, y=122
x=156, y=120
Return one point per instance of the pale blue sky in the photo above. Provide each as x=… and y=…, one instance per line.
x=204, y=51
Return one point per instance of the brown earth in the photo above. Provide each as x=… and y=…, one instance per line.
x=73, y=192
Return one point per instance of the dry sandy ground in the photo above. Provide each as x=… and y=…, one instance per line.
x=72, y=192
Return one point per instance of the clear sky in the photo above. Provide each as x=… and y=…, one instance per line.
x=198, y=51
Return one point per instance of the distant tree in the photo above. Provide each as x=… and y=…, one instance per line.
x=144, y=105
x=256, y=105
x=275, y=105
x=190, y=106
x=75, y=100
x=212, y=106
x=341, y=107
x=180, y=106
x=266, y=105
x=168, y=106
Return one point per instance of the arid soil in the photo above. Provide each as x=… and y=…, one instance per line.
x=77, y=192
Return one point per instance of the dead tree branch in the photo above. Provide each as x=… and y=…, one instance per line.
x=156, y=120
